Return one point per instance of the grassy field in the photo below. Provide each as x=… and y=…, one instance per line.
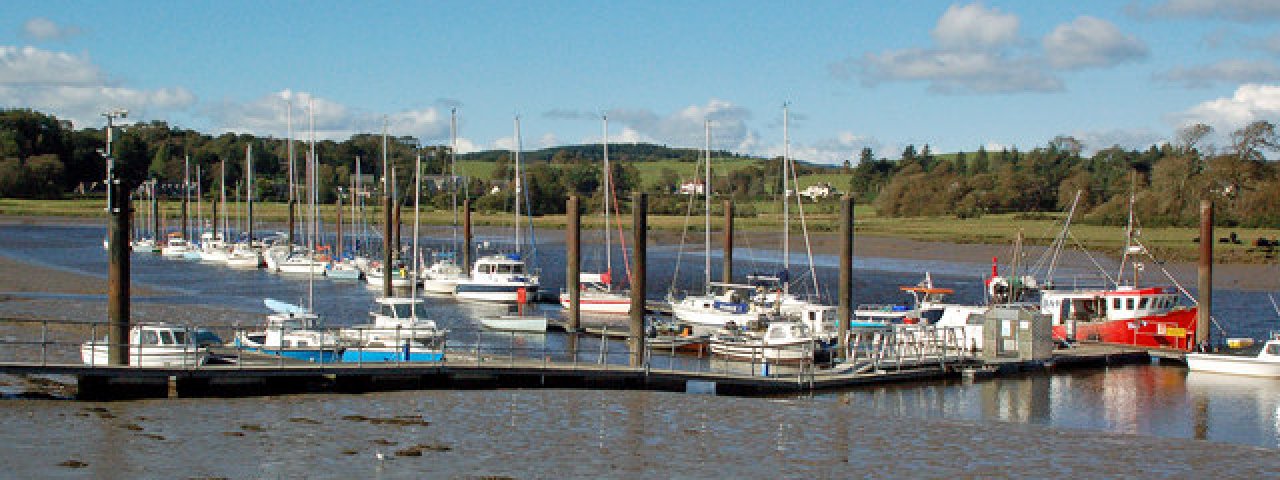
x=1038, y=229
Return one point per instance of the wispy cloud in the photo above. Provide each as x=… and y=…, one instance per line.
x=978, y=50
x=1226, y=71
x=1091, y=42
x=269, y=115
x=1235, y=10
x=43, y=29
x=74, y=88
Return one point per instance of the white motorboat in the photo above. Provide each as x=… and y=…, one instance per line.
x=145, y=245
x=780, y=342
x=516, y=323
x=396, y=317
x=152, y=345
x=300, y=262
x=1265, y=364
x=400, y=276
x=343, y=270
x=498, y=278
x=243, y=255
x=291, y=333
x=399, y=332
x=213, y=248
x=442, y=276
x=175, y=246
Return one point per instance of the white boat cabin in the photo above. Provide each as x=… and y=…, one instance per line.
x=1123, y=303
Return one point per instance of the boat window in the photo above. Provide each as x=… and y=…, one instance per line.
x=286, y=343
x=150, y=338
x=1115, y=304
x=518, y=269
x=1128, y=304
x=504, y=268
x=166, y=338
x=1273, y=349
x=180, y=337
x=1142, y=304
x=302, y=343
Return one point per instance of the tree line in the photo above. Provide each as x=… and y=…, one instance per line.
x=1164, y=182
x=44, y=157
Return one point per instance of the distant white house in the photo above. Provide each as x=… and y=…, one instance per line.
x=692, y=188
x=821, y=190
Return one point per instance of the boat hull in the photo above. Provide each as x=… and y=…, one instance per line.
x=757, y=352
x=1233, y=365
x=1175, y=330
x=431, y=285
x=391, y=354
x=600, y=303
x=147, y=356
x=507, y=293
x=511, y=323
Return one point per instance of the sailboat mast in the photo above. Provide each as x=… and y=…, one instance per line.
x=453, y=173
x=608, y=192
x=248, y=189
x=519, y=146
x=706, y=195
x=199, y=206
x=417, y=198
x=311, y=199
x=292, y=178
x=786, y=202
x=186, y=195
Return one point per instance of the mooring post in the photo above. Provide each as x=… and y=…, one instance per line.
x=1205, y=285
x=466, y=236
x=337, y=251
x=845, y=313
x=118, y=272
x=728, y=242
x=639, y=225
x=573, y=233
x=395, y=232
x=156, y=234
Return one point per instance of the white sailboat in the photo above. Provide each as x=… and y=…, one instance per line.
x=301, y=260
x=733, y=303
x=597, y=294
x=443, y=274
x=152, y=345
x=502, y=277
x=176, y=244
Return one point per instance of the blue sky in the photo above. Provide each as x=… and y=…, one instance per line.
x=953, y=75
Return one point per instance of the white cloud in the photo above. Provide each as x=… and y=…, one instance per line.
x=1237, y=10
x=957, y=71
x=269, y=115
x=1249, y=102
x=1091, y=42
x=40, y=28
x=73, y=88
x=1128, y=139
x=830, y=151
x=34, y=66
x=974, y=26
x=548, y=140
x=1229, y=71
x=465, y=145
x=684, y=127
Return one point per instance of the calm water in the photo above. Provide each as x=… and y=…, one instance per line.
x=1139, y=421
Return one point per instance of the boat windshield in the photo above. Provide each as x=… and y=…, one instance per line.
x=403, y=310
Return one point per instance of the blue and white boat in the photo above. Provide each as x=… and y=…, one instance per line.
x=400, y=332
x=291, y=332
x=498, y=278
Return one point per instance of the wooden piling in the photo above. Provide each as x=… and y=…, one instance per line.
x=466, y=235
x=845, y=313
x=395, y=229
x=728, y=242
x=573, y=234
x=639, y=227
x=1205, y=284
x=118, y=274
